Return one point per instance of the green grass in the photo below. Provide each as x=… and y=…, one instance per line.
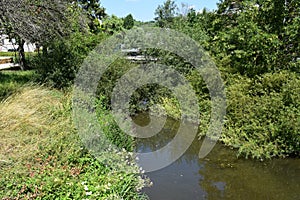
x=42, y=157
x=12, y=81
x=12, y=54
x=8, y=54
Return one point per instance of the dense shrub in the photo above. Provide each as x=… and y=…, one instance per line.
x=263, y=117
x=59, y=64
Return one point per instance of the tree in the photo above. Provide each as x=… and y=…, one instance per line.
x=165, y=13
x=112, y=24
x=34, y=21
x=193, y=24
x=95, y=13
x=128, y=22
x=255, y=37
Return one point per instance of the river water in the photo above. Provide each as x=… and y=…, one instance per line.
x=221, y=175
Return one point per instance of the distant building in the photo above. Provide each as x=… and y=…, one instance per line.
x=10, y=45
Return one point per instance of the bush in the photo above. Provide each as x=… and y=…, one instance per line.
x=263, y=117
x=59, y=65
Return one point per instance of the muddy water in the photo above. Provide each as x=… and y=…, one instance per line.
x=221, y=175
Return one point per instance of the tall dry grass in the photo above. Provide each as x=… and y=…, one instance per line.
x=26, y=120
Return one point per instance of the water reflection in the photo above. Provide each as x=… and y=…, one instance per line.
x=220, y=175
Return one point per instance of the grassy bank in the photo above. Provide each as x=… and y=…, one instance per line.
x=41, y=155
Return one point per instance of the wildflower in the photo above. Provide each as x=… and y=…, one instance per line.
x=86, y=188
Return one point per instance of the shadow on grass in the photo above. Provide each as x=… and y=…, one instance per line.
x=12, y=80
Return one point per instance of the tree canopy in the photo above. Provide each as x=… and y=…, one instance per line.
x=128, y=22
x=35, y=20
x=95, y=13
x=165, y=13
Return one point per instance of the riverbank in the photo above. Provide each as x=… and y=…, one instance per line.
x=41, y=155
x=262, y=118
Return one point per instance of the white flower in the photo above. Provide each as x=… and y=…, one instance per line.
x=86, y=188
x=88, y=193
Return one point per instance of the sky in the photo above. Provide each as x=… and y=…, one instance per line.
x=143, y=10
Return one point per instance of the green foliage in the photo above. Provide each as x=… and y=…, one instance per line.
x=59, y=65
x=94, y=12
x=112, y=24
x=110, y=128
x=255, y=46
x=291, y=32
x=263, y=115
x=109, y=79
x=11, y=54
x=78, y=175
x=192, y=25
x=248, y=48
x=165, y=13
x=128, y=22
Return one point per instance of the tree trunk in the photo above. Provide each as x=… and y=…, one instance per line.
x=45, y=49
x=22, y=59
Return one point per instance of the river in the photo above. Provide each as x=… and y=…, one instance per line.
x=220, y=175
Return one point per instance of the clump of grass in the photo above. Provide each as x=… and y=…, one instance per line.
x=42, y=157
